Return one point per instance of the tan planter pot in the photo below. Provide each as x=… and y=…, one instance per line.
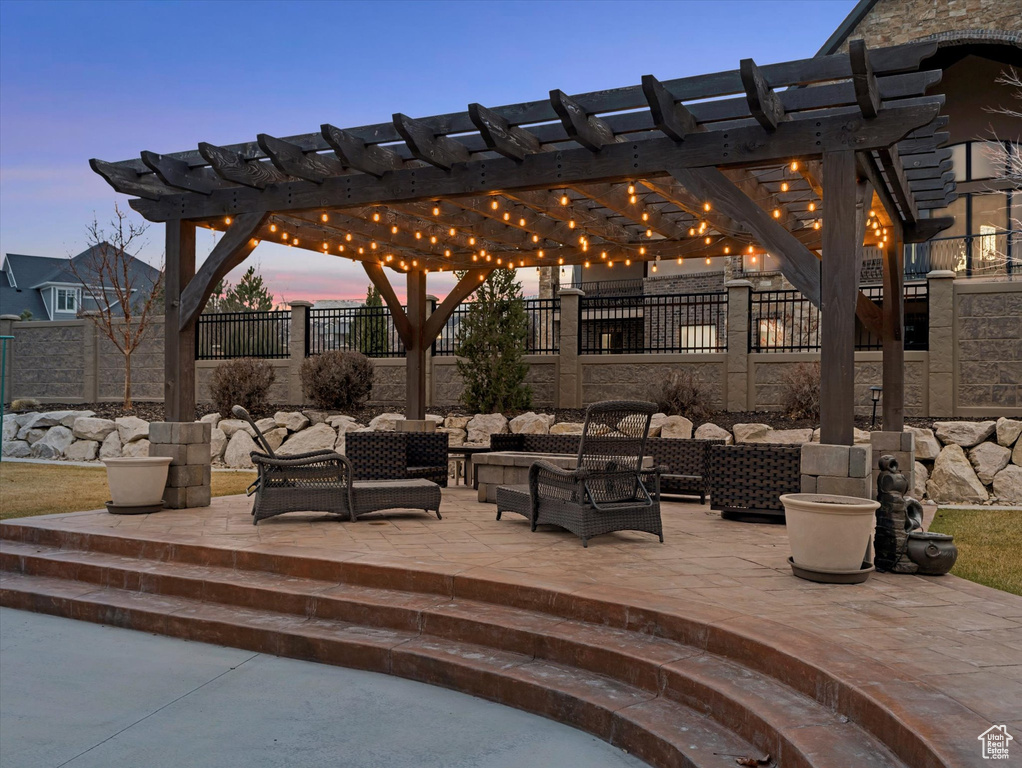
x=828, y=533
x=137, y=482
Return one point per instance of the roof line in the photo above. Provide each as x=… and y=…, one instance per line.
x=845, y=27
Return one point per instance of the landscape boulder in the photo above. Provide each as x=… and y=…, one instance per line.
x=52, y=418
x=751, y=433
x=317, y=438
x=1016, y=454
x=988, y=459
x=1008, y=431
x=927, y=446
x=566, y=428
x=17, y=449
x=89, y=428
x=786, y=437
x=53, y=444
x=276, y=436
x=10, y=431
x=69, y=420
x=34, y=435
x=265, y=425
x=677, y=427
x=1008, y=485
x=239, y=448
x=81, y=450
x=964, y=433
x=920, y=476
x=457, y=422
x=131, y=428
x=338, y=420
x=953, y=479
x=656, y=424
x=454, y=436
x=136, y=449
x=213, y=419
x=482, y=425
x=291, y=420
x=217, y=444
x=386, y=422
x=529, y=424
x=230, y=426
x=711, y=431
x=111, y=447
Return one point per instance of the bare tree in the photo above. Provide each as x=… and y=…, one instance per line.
x=126, y=299
x=1006, y=156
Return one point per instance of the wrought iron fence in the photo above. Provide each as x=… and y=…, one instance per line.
x=369, y=330
x=632, y=287
x=785, y=321
x=226, y=335
x=679, y=322
x=544, y=328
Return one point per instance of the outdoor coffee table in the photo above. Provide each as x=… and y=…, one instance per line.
x=462, y=455
x=498, y=468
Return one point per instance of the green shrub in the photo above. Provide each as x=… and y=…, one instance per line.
x=678, y=393
x=800, y=391
x=244, y=381
x=337, y=379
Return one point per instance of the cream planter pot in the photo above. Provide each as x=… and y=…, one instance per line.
x=829, y=533
x=136, y=482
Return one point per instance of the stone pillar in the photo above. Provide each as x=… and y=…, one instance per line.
x=569, y=385
x=297, y=346
x=739, y=293
x=941, y=373
x=843, y=470
x=7, y=329
x=187, y=443
x=900, y=445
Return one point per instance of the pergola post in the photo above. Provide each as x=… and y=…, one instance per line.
x=894, y=333
x=415, y=400
x=179, y=343
x=839, y=286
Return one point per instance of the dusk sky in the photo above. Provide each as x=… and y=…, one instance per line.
x=109, y=79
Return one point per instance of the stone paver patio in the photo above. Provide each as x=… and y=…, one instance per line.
x=961, y=638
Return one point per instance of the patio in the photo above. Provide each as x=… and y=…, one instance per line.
x=882, y=639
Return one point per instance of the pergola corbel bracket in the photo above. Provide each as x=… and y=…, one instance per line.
x=397, y=313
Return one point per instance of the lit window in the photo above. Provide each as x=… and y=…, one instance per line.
x=699, y=338
x=771, y=333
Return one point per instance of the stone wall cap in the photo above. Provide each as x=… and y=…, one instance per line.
x=740, y=283
x=10, y=317
x=300, y=303
x=938, y=274
x=571, y=292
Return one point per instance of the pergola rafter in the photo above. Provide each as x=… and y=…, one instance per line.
x=665, y=169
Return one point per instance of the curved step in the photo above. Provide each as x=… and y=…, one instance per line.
x=772, y=717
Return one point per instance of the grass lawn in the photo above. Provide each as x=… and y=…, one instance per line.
x=46, y=489
x=988, y=545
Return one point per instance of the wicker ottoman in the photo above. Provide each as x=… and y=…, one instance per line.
x=514, y=498
x=374, y=495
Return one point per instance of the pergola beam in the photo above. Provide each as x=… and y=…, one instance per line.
x=291, y=160
x=232, y=166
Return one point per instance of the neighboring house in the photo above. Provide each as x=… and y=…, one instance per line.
x=47, y=287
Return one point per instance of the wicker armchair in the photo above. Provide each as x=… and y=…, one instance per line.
x=398, y=455
x=609, y=490
x=318, y=481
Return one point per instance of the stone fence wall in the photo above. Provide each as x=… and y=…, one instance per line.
x=973, y=366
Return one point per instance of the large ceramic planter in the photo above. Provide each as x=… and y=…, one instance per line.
x=137, y=482
x=828, y=533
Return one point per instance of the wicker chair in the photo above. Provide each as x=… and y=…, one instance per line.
x=398, y=455
x=609, y=490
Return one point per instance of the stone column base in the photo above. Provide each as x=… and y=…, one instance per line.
x=843, y=470
x=187, y=444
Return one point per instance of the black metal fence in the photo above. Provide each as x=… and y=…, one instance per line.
x=785, y=321
x=226, y=335
x=679, y=322
x=369, y=330
x=544, y=328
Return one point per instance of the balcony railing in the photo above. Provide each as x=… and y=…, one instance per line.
x=994, y=254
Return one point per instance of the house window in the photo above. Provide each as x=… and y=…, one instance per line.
x=67, y=300
x=699, y=338
x=771, y=333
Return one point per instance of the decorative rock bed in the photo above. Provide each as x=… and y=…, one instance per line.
x=956, y=461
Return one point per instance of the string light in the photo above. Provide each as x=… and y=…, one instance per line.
x=340, y=248
x=535, y=238
x=433, y=239
x=361, y=250
x=628, y=262
x=750, y=248
x=227, y=221
x=415, y=263
x=610, y=264
x=784, y=186
x=812, y=207
x=436, y=210
x=645, y=216
x=495, y=205
x=498, y=260
x=326, y=246
x=691, y=231
x=571, y=224
x=603, y=254
x=707, y=260
x=324, y=217
x=283, y=235
x=586, y=265
x=376, y=217
x=372, y=245
x=777, y=213
x=707, y=240
x=471, y=241
x=521, y=222
x=560, y=260
x=295, y=241
x=418, y=235
x=633, y=199
x=273, y=227
x=564, y=200
x=706, y=206
x=452, y=232
x=642, y=252
x=727, y=250
x=816, y=225
x=393, y=230
x=507, y=216
x=631, y=189
x=541, y=254
x=753, y=259
x=654, y=267
x=447, y=252
x=348, y=237
x=794, y=165
x=679, y=261
x=649, y=233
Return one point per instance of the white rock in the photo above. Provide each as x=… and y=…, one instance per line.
x=52, y=418
x=530, y=424
x=111, y=447
x=786, y=437
x=317, y=417
x=22, y=419
x=265, y=425
x=88, y=428
x=482, y=425
x=927, y=446
x=953, y=478
x=292, y=420
x=750, y=433
x=16, y=449
x=136, y=449
x=920, y=475
x=53, y=444
x=989, y=459
x=710, y=431
x=455, y=436
x=275, y=437
x=27, y=425
x=10, y=431
x=386, y=422
x=131, y=428
x=230, y=426
x=656, y=423
x=677, y=427
x=1016, y=454
x=563, y=428
x=211, y=418
x=964, y=433
x=319, y=437
x=217, y=444
x=549, y=418
x=81, y=450
x=457, y=422
x=336, y=421
x=33, y=435
x=69, y=420
x=238, y=449
x=436, y=419
x=1008, y=431
x=1008, y=485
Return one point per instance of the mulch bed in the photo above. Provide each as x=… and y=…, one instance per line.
x=364, y=414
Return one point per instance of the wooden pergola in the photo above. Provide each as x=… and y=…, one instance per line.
x=800, y=158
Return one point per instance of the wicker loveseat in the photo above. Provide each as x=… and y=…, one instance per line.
x=749, y=479
x=398, y=455
x=686, y=460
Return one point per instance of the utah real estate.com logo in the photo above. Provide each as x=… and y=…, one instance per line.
x=995, y=742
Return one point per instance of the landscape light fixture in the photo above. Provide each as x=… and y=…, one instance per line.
x=874, y=392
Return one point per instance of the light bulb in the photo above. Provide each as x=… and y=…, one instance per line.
x=436, y=210
x=649, y=233
x=506, y=215
x=871, y=213
x=753, y=259
x=727, y=250
x=610, y=263
x=324, y=217
x=415, y=263
x=777, y=213
x=679, y=261
x=474, y=257
x=794, y=165
x=633, y=199
x=603, y=254
x=707, y=261
x=707, y=241
x=535, y=238
x=376, y=217
x=571, y=224
x=750, y=249
x=348, y=237
x=691, y=231
x=498, y=261
x=432, y=239
x=631, y=189
x=560, y=261
x=325, y=246
x=418, y=235
x=784, y=186
x=521, y=222
x=228, y=220
x=495, y=205
x=816, y=225
x=295, y=241
x=564, y=200
x=642, y=250
x=340, y=248
x=273, y=227
x=372, y=245
x=361, y=249
x=447, y=252
x=654, y=267
x=586, y=265
x=628, y=262
x=452, y=232
x=706, y=206
x=812, y=207
x=393, y=230
x=541, y=254
x=645, y=216
x=471, y=241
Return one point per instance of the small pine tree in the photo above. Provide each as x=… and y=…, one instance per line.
x=249, y=295
x=491, y=344
x=370, y=327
